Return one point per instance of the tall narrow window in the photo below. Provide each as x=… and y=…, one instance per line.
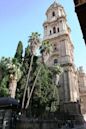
x=58, y=29
x=53, y=14
x=45, y=27
x=55, y=47
x=54, y=30
x=50, y=32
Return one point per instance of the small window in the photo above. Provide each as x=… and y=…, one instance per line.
x=61, y=11
x=57, y=29
x=60, y=21
x=55, y=61
x=55, y=48
x=45, y=27
x=50, y=32
x=53, y=14
x=54, y=30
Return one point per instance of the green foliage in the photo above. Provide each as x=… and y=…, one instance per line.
x=45, y=50
x=25, y=66
x=22, y=81
x=34, y=37
x=27, y=52
x=26, y=61
x=19, y=52
x=3, y=87
x=3, y=65
x=45, y=97
x=8, y=67
x=56, y=69
x=14, y=68
x=45, y=47
x=4, y=80
x=34, y=41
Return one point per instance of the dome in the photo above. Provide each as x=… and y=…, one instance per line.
x=54, y=5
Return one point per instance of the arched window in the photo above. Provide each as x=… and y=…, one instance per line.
x=45, y=27
x=55, y=47
x=61, y=11
x=60, y=21
x=54, y=30
x=55, y=61
x=53, y=14
x=58, y=29
x=50, y=32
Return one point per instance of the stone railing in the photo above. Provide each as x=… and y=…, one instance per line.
x=56, y=34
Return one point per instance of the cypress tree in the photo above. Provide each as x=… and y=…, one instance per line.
x=19, y=52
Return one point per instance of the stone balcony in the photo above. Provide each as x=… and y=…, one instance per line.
x=66, y=60
x=64, y=32
x=54, y=19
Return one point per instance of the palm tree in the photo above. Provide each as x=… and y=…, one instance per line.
x=45, y=50
x=14, y=70
x=57, y=71
x=12, y=85
x=34, y=41
x=11, y=72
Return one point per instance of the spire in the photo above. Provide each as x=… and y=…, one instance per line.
x=54, y=4
x=56, y=1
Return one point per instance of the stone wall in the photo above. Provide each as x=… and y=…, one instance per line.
x=82, y=89
x=45, y=124
x=37, y=124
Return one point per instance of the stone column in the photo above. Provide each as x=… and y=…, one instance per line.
x=72, y=85
x=66, y=87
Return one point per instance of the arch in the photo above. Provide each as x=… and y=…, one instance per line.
x=45, y=27
x=60, y=21
x=54, y=30
x=53, y=13
x=50, y=32
x=58, y=29
x=55, y=47
x=55, y=61
x=61, y=11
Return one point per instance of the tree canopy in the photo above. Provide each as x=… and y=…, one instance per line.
x=42, y=96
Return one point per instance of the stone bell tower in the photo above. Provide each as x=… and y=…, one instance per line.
x=57, y=32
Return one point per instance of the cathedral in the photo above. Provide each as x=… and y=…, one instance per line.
x=72, y=82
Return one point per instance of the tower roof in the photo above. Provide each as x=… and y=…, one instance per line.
x=54, y=5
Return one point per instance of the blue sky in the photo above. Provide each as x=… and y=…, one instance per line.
x=18, y=18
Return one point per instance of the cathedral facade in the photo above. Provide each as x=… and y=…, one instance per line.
x=72, y=82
